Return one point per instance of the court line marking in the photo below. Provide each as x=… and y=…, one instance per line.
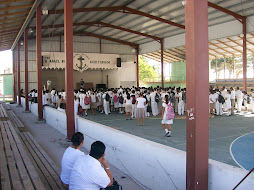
x=232, y=153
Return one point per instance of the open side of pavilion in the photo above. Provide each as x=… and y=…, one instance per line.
x=153, y=28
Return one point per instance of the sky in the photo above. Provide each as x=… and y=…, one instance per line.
x=5, y=60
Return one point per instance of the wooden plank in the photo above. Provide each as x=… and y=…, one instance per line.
x=29, y=166
x=52, y=164
x=19, y=162
x=39, y=163
x=5, y=181
x=15, y=180
x=45, y=159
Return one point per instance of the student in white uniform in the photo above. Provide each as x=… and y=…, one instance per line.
x=239, y=97
x=228, y=102
x=121, y=102
x=212, y=101
x=106, y=102
x=93, y=102
x=224, y=94
x=116, y=100
x=76, y=104
x=88, y=173
x=218, y=105
x=70, y=156
x=134, y=106
x=181, y=103
x=99, y=103
x=154, y=104
x=141, y=113
x=128, y=106
x=245, y=100
x=232, y=100
x=87, y=101
x=164, y=120
x=176, y=99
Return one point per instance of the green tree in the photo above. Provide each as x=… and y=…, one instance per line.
x=146, y=71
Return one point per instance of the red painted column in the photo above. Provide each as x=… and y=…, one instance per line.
x=244, y=55
x=162, y=72
x=68, y=40
x=60, y=43
x=18, y=73
x=26, y=67
x=14, y=74
x=137, y=51
x=39, y=62
x=197, y=83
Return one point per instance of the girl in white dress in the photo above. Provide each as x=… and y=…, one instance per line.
x=86, y=105
x=228, y=102
x=165, y=121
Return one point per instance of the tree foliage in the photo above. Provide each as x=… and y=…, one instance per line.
x=146, y=71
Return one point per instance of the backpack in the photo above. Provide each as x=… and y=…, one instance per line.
x=115, y=98
x=87, y=101
x=121, y=100
x=170, y=114
x=107, y=97
x=221, y=99
x=133, y=100
x=157, y=98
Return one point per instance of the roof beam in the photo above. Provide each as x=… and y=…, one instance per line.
x=212, y=55
x=11, y=19
x=217, y=52
x=8, y=31
x=236, y=15
x=219, y=48
x=10, y=28
x=98, y=24
x=230, y=46
x=169, y=55
x=180, y=54
x=14, y=14
x=16, y=7
x=173, y=55
x=158, y=56
x=4, y=25
x=13, y=1
x=240, y=44
x=120, y=9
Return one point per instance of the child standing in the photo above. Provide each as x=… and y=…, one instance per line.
x=167, y=106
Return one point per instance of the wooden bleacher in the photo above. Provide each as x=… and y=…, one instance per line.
x=23, y=163
x=3, y=114
x=17, y=171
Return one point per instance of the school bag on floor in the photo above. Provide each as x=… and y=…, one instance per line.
x=115, y=98
x=157, y=98
x=170, y=112
x=87, y=101
x=221, y=99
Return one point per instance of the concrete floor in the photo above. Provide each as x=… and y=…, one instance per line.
x=223, y=131
x=54, y=143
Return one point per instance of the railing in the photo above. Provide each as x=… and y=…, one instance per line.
x=243, y=178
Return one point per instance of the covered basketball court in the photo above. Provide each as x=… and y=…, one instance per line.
x=167, y=31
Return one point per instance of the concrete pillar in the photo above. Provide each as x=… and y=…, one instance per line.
x=26, y=67
x=68, y=51
x=197, y=78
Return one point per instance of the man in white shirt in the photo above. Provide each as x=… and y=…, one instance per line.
x=87, y=172
x=239, y=97
x=181, y=104
x=154, y=104
x=224, y=94
x=232, y=97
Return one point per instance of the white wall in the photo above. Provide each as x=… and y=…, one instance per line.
x=155, y=166
x=219, y=31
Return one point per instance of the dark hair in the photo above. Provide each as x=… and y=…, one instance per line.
x=97, y=149
x=77, y=139
x=128, y=96
x=167, y=100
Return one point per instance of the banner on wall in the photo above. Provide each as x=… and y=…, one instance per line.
x=81, y=61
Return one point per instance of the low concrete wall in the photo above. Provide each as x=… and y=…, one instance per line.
x=151, y=164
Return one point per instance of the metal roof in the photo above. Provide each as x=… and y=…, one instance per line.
x=13, y=13
x=131, y=21
x=226, y=47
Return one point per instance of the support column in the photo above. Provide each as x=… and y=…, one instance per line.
x=244, y=55
x=137, y=51
x=216, y=68
x=26, y=67
x=60, y=43
x=233, y=66
x=197, y=77
x=162, y=72
x=18, y=73
x=39, y=62
x=14, y=74
x=224, y=67
x=68, y=51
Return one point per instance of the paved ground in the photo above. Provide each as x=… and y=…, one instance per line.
x=223, y=131
x=54, y=143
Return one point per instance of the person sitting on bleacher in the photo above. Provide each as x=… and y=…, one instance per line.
x=70, y=156
x=87, y=172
